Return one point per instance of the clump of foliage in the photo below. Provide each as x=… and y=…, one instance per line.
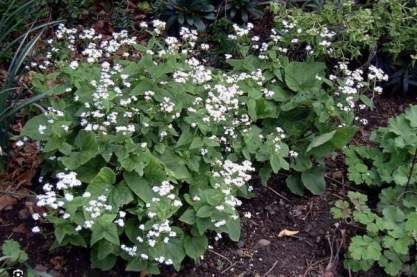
x=345, y=30
x=199, y=14
x=69, y=10
x=13, y=256
x=392, y=227
x=191, y=13
x=242, y=10
x=15, y=16
x=337, y=31
x=147, y=149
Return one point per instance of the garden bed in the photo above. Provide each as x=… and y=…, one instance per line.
x=260, y=249
x=168, y=130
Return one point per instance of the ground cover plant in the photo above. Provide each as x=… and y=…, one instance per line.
x=391, y=229
x=147, y=150
x=165, y=145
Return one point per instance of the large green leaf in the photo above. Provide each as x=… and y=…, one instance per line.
x=313, y=179
x=102, y=181
x=301, y=76
x=104, y=228
x=195, y=246
x=139, y=185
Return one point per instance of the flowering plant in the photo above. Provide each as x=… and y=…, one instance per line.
x=147, y=149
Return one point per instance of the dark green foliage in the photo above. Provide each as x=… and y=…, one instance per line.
x=191, y=13
x=242, y=10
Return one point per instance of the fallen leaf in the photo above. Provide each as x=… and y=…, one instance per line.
x=287, y=233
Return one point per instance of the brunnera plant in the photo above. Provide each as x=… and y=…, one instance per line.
x=147, y=150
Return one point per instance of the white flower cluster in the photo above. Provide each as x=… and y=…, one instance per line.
x=67, y=180
x=241, y=31
x=164, y=189
x=222, y=100
x=159, y=26
x=233, y=173
x=96, y=207
x=199, y=73
x=277, y=139
x=158, y=233
x=52, y=199
x=351, y=83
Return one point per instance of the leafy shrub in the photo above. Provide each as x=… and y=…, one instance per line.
x=148, y=150
x=392, y=228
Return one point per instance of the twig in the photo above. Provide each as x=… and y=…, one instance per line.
x=277, y=193
x=311, y=266
x=220, y=255
x=272, y=268
x=334, y=180
x=16, y=193
x=229, y=267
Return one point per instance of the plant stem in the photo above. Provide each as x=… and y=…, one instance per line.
x=412, y=168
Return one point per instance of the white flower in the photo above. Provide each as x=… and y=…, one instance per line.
x=36, y=229
x=74, y=65
x=220, y=223
x=41, y=129
x=19, y=143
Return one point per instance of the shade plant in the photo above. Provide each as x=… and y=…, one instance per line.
x=147, y=150
x=390, y=228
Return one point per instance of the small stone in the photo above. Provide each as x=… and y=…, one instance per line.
x=262, y=243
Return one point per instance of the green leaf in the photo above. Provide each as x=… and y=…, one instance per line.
x=320, y=140
x=233, y=228
x=104, y=264
x=63, y=229
x=364, y=248
x=139, y=185
x=313, y=180
x=195, y=246
x=196, y=143
x=277, y=163
x=102, y=181
x=31, y=128
x=188, y=216
x=205, y=211
x=12, y=250
x=120, y=195
x=104, y=228
x=302, y=76
x=88, y=149
x=104, y=249
x=295, y=184
x=137, y=264
x=411, y=224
